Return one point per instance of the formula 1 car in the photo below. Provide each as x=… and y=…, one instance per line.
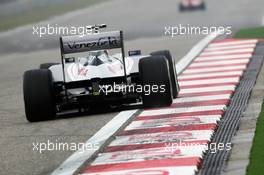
x=89, y=76
x=192, y=5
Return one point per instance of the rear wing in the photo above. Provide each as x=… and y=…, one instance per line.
x=96, y=41
x=92, y=42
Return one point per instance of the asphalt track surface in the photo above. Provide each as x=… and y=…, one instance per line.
x=143, y=22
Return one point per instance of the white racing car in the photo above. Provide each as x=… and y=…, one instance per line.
x=90, y=77
x=192, y=5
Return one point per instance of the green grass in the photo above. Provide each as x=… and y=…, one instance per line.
x=257, y=32
x=42, y=13
x=257, y=150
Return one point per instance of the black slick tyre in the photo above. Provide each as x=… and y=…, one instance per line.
x=39, y=98
x=172, y=69
x=154, y=72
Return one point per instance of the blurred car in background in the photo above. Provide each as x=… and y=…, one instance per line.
x=192, y=5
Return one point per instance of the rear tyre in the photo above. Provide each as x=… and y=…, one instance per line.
x=39, y=98
x=46, y=65
x=172, y=69
x=154, y=72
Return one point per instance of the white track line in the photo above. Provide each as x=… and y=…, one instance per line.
x=214, y=69
x=209, y=81
x=201, y=98
x=227, y=52
x=230, y=47
x=224, y=62
x=181, y=110
x=224, y=57
x=210, y=75
x=206, y=89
